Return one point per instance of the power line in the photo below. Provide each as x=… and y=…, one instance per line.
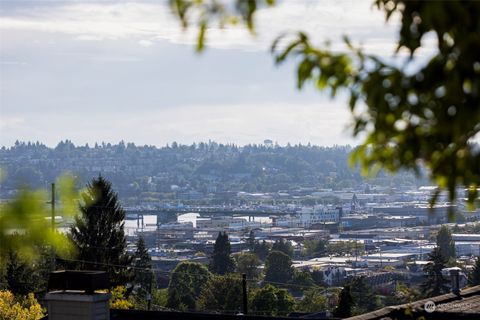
x=233, y=275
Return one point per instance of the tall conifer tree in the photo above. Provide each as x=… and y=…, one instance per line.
x=19, y=275
x=446, y=243
x=144, y=276
x=283, y=246
x=98, y=233
x=278, y=267
x=435, y=283
x=222, y=261
x=345, y=303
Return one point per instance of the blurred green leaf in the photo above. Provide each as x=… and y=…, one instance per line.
x=25, y=221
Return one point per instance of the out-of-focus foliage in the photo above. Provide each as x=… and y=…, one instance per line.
x=19, y=308
x=25, y=222
x=205, y=12
x=429, y=116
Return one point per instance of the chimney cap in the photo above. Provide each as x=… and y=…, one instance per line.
x=85, y=280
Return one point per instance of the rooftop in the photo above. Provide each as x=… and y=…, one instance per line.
x=449, y=306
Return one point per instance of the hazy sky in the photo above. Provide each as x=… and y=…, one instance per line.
x=111, y=70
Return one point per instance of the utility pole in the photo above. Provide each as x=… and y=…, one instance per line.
x=245, y=298
x=53, y=262
x=381, y=262
x=149, y=294
x=53, y=206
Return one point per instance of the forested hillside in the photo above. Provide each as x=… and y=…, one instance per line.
x=200, y=169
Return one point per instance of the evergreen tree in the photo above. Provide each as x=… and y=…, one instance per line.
x=278, y=267
x=222, y=262
x=345, y=304
x=435, y=283
x=22, y=275
x=318, y=277
x=19, y=275
x=474, y=276
x=261, y=249
x=251, y=241
x=98, y=233
x=283, y=246
x=144, y=276
x=446, y=243
x=363, y=295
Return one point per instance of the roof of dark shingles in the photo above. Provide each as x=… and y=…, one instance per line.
x=449, y=306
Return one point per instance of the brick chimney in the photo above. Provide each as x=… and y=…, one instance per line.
x=71, y=295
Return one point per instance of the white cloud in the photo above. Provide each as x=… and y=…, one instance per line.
x=8, y=123
x=13, y=63
x=151, y=21
x=145, y=43
x=88, y=37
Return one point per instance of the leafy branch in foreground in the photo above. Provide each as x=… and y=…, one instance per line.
x=206, y=12
x=427, y=117
x=25, y=221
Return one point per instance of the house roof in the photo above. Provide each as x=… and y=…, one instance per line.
x=465, y=305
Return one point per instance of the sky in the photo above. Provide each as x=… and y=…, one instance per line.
x=93, y=71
